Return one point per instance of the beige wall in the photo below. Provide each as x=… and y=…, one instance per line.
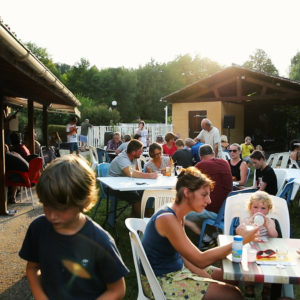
x=236, y=110
x=215, y=112
x=180, y=115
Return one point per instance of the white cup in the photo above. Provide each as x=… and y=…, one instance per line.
x=251, y=255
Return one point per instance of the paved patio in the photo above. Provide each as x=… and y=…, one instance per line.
x=13, y=283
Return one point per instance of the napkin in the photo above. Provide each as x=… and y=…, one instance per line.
x=274, y=261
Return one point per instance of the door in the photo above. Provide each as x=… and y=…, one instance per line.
x=195, y=118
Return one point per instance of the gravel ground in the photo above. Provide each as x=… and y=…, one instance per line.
x=13, y=283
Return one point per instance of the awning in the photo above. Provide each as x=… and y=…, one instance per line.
x=54, y=107
x=24, y=76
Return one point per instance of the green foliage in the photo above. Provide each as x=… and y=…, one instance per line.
x=137, y=92
x=44, y=57
x=61, y=129
x=97, y=114
x=119, y=84
x=260, y=61
x=295, y=67
x=63, y=68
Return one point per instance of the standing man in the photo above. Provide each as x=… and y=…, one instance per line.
x=219, y=171
x=83, y=134
x=71, y=130
x=210, y=135
x=266, y=179
x=122, y=165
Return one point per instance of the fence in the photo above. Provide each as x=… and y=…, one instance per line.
x=96, y=133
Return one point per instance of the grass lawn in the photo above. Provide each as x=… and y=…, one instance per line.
x=125, y=247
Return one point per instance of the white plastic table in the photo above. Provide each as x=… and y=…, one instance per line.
x=138, y=184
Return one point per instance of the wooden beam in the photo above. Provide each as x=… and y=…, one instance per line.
x=53, y=92
x=3, y=200
x=204, y=91
x=236, y=99
x=264, y=90
x=30, y=127
x=216, y=92
x=239, y=89
x=270, y=85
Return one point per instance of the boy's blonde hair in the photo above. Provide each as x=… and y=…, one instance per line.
x=261, y=196
x=68, y=182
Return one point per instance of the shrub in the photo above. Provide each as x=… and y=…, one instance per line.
x=61, y=129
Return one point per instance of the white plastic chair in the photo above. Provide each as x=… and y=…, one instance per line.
x=285, y=156
x=278, y=160
x=93, y=157
x=270, y=159
x=161, y=197
x=273, y=160
x=139, y=257
x=293, y=164
x=282, y=178
x=237, y=206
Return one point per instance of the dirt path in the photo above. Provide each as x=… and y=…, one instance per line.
x=13, y=283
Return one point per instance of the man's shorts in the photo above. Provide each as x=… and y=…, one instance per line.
x=83, y=138
x=73, y=147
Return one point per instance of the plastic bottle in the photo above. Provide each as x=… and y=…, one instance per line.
x=237, y=248
x=172, y=167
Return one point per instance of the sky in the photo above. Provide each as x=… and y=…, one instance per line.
x=129, y=33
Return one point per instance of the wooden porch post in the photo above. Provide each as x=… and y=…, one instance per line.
x=3, y=202
x=45, y=125
x=30, y=126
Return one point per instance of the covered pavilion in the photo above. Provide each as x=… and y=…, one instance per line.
x=26, y=82
x=239, y=102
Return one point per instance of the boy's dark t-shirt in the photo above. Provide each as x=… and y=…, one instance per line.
x=268, y=176
x=183, y=157
x=90, y=253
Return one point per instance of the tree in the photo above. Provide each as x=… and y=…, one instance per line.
x=295, y=67
x=97, y=114
x=63, y=68
x=260, y=61
x=44, y=57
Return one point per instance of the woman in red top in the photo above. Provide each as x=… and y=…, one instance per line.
x=169, y=147
x=17, y=145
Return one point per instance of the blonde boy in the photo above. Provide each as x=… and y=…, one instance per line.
x=70, y=256
x=247, y=149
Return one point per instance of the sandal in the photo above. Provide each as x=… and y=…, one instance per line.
x=11, y=212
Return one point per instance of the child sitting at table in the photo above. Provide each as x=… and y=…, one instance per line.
x=68, y=255
x=259, y=206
